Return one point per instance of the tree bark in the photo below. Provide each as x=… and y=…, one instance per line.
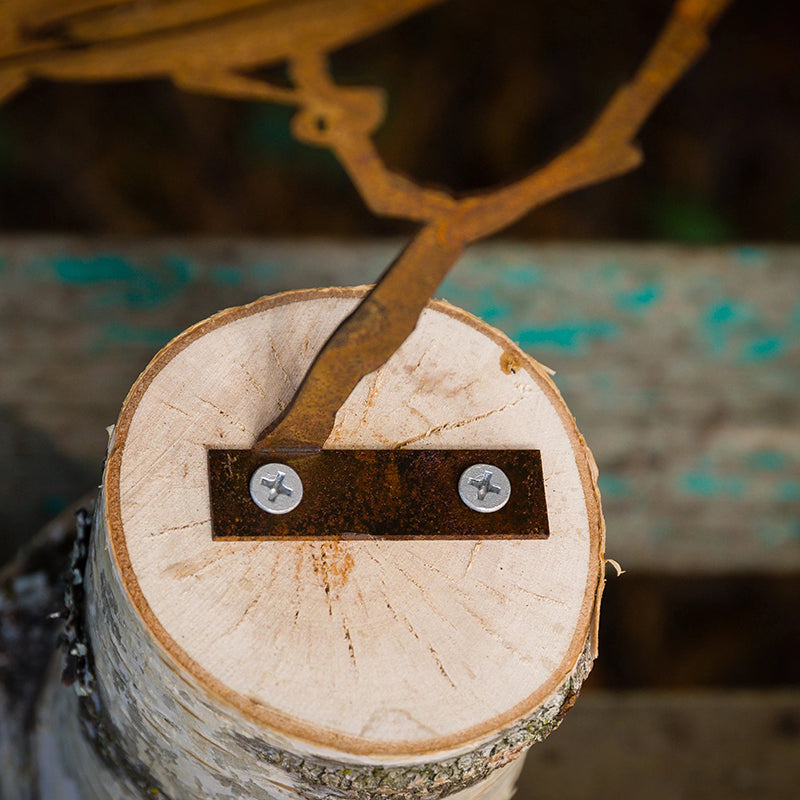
x=338, y=669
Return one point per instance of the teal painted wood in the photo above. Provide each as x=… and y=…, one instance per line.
x=682, y=366
x=683, y=369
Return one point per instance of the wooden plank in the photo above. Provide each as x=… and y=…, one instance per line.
x=663, y=746
x=683, y=369
x=681, y=365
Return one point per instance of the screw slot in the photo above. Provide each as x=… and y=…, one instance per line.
x=276, y=488
x=484, y=488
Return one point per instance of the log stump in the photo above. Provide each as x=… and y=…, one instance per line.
x=323, y=669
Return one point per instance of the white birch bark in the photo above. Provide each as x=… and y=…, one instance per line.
x=344, y=669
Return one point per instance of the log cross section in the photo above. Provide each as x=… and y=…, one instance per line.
x=353, y=669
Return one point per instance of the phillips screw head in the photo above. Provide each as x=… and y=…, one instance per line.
x=276, y=488
x=484, y=488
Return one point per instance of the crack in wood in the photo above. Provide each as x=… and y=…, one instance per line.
x=447, y=426
x=176, y=528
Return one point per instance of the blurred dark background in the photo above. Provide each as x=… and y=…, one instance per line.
x=480, y=91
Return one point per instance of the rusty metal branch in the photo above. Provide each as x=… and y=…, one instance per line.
x=210, y=45
x=607, y=149
x=367, y=338
x=363, y=342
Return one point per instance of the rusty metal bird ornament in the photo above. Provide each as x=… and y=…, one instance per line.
x=213, y=46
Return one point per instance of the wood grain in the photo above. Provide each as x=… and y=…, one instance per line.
x=724, y=743
x=365, y=670
x=313, y=632
x=681, y=364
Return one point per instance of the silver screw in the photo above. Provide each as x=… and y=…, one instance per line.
x=484, y=488
x=276, y=488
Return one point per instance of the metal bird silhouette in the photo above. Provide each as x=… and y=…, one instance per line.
x=211, y=46
x=201, y=45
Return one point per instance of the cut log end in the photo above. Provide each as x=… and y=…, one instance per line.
x=344, y=668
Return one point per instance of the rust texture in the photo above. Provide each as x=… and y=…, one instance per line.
x=377, y=494
x=212, y=46
x=384, y=319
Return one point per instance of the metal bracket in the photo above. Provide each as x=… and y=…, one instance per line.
x=376, y=494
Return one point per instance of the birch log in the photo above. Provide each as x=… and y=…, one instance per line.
x=336, y=669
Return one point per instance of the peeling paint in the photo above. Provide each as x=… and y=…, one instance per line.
x=116, y=281
x=572, y=335
x=640, y=298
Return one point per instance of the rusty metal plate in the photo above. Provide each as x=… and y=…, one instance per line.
x=376, y=494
